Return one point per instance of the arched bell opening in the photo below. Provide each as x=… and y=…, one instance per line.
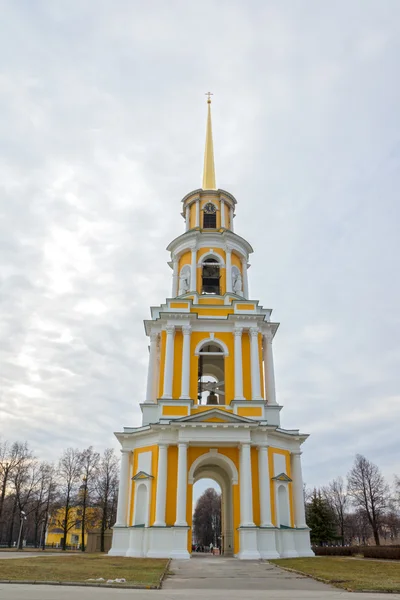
x=211, y=277
x=211, y=374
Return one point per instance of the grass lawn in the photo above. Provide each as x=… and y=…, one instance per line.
x=136, y=571
x=348, y=573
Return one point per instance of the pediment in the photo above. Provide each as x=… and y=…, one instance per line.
x=282, y=477
x=142, y=475
x=214, y=415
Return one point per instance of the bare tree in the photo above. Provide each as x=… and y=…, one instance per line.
x=207, y=518
x=69, y=472
x=106, y=487
x=369, y=492
x=26, y=482
x=11, y=455
x=90, y=463
x=336, y=495
x=43, y=496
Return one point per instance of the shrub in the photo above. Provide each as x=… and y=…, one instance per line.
x=335, y=550
x=388, y=552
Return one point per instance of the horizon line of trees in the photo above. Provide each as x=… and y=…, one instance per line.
x=36, y=495
x=362, y=508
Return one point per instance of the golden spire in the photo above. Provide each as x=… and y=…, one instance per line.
x=209, y=170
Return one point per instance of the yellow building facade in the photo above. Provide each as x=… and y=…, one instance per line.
x=210, y=409
x=55, y=532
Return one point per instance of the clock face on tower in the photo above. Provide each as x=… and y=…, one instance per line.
x=210, y=208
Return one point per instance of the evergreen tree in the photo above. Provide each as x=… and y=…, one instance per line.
x=321, y=519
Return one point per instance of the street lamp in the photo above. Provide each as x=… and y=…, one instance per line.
x=23, y=518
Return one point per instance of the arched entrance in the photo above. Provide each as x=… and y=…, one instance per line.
x=206, y=521
x=216, y=466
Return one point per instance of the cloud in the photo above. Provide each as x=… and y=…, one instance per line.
x=101, y=136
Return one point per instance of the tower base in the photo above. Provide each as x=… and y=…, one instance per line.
x=150, y=542
x=172, y=542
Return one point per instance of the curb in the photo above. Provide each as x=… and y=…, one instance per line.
x=164, y=574
x=83, y=584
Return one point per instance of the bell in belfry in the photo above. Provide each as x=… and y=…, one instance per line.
x=212, y=398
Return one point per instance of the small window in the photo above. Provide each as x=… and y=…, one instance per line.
x=209, y=216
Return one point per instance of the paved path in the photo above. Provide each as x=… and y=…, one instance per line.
x=220, y=573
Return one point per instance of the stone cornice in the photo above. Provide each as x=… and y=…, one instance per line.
x=200, y=239
x=200, y=192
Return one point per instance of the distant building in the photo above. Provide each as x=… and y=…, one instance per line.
x=55, y=529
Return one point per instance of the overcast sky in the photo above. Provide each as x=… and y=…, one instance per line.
x=102, y=128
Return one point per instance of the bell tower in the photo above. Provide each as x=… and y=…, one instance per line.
x=210, y=408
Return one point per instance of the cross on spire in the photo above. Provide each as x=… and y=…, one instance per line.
x=209, y=94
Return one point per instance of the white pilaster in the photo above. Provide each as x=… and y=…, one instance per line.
x=222, y=213
x=175, y=278
x=231, y=218
x=228, y=269
x=255, y=364
x=182, y=485
x=123, y=490
x=198, y=212
x=151, y=392
x=185, y=387
x=269, y=375
x=193, y=271
x=187, y=217
x=246, y=495
x=161, y=494
x=245, y=278
x=237, y=332
x=169, y=361
x=298, y=494
x=264, y=479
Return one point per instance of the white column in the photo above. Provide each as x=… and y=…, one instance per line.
x=255, y=364
x=185, y=387
x=182, y=485
x=265, y=496
x=246, y=495
x=123, y=490
x=193, y=271
x=169, y=361
x=175, y=278
x=298, y=493
x=222, y=213
x=161, y=492
x=152, y=371
x=231, y=218
x=245, y=278
x=269, y=376
x=198, y=212
x=238, y=364
x=187, y=217
x=228, y=269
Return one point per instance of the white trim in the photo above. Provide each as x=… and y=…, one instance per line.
x=181, y=488
x=213, y=340
x=212, y=254
x=214, y=202
x=213, y=457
